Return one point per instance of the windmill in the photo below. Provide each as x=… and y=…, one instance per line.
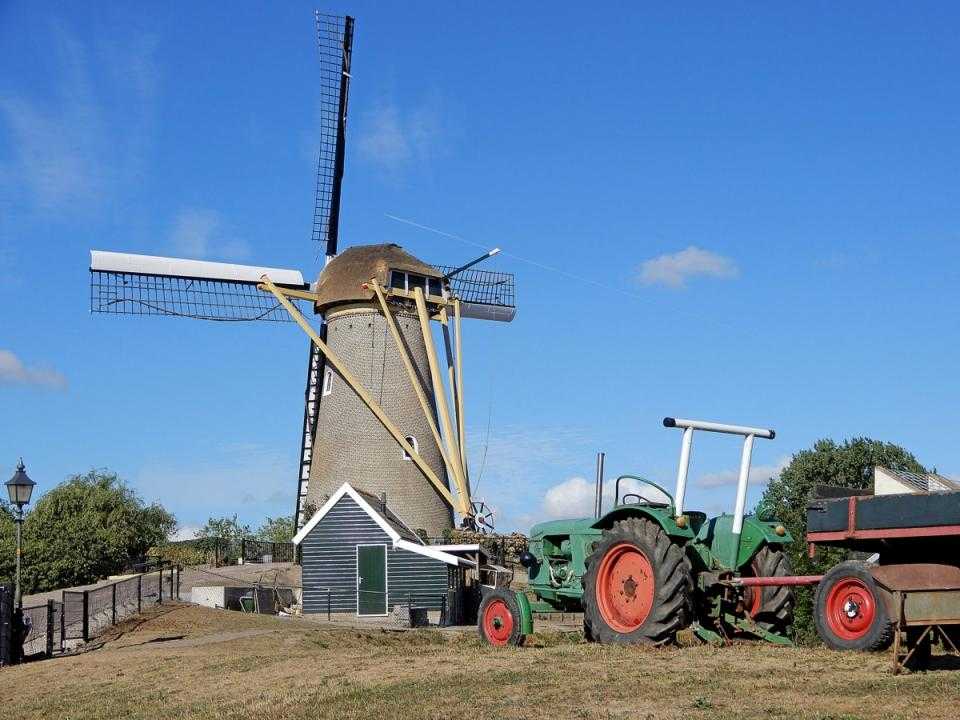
x=381, y=410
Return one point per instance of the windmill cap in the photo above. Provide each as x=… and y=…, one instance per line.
x=344, y=278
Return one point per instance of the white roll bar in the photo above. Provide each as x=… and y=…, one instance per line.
x=748, y=433
x=719, y=427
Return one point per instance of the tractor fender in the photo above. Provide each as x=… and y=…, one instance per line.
x=661, y=515
x=715, y=536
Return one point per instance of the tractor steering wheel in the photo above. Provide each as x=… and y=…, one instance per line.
x=640, y=499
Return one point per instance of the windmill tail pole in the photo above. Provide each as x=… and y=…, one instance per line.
x=470, y=264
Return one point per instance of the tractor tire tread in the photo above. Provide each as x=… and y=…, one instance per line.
x=673, y=585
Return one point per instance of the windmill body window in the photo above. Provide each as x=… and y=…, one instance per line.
x=327, y=382
x=413, y=443
x=408, y=281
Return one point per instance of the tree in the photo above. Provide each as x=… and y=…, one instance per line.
x=224, y=528
x=849, y=465
x=91, y=526
x=278, y=530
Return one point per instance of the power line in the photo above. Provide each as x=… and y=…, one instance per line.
x=536, y=264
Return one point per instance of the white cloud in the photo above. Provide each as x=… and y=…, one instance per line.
x=391, y=137
x=759, y=475
x=198, y=233
x=575, y=497
x=14, y=372
x=673, y=270
x=185, y=532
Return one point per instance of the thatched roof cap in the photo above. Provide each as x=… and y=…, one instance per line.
x=341, y=281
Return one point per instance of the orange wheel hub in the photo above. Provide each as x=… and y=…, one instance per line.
x=625, y=587
x=850, y=608
x=497, y=623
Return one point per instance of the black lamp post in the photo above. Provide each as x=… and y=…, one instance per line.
x=19, y=489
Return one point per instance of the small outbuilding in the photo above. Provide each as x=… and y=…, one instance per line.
x=359, y=557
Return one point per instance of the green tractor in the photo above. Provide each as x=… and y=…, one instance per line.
x=649, y=568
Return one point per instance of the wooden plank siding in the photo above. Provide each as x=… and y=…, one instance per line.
x=330, y=561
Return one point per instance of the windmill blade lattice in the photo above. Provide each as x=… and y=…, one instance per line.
x=335, y=43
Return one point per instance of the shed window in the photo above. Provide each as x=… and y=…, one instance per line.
x=398, y=280
x=327, y=382
x=413, y=443
x=416, y=281
x=434, y=285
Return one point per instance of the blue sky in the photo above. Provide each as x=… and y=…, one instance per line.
x=740, y=213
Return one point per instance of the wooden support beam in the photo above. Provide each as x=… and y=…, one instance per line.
x=440, y=393
x=460, y=402
x=360, y=390
x=455, y=392
x=415, y=382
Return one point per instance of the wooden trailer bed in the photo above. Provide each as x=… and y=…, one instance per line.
x=873, y=522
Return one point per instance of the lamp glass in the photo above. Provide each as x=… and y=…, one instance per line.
x=20, y=487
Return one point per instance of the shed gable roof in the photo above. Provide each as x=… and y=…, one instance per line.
x=401, y=535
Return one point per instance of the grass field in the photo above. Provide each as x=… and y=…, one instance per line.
x=198, y=663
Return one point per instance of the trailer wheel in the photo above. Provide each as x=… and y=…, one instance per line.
x=498, y=619
x=851, y=612
x=771, y=606
x=637, y=586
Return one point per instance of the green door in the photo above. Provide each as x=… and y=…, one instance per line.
x=371, y=579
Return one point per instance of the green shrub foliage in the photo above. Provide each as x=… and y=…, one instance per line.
x=88, y=527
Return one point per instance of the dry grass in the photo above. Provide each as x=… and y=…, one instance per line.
x=191, y=662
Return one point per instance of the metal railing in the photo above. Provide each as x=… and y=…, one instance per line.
x=87, y=613
x=232, y=551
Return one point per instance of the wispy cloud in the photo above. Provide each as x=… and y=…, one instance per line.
x=250, y=478
x=391, y=137
x=198, y=233
x=68, y=153
x=512, y=451
x=14, y=372
x=674, y=270
x=759, y=475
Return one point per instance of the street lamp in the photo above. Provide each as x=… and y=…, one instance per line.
x=19, y=490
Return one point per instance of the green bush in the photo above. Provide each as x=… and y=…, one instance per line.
x=88, y=527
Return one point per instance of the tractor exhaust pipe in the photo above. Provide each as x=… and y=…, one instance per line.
x=598, y=500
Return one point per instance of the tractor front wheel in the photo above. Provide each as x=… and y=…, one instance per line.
x=499, y=620
x=850, y=611
x=637, y=586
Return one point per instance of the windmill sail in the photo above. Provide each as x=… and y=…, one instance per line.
x=335, y=42
x=128, y=284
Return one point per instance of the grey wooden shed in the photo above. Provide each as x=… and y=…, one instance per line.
x=359, y=557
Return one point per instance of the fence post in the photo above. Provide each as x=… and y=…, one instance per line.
x=63, y=622
x=178, y=582
x=113, y=604
x=139, y=594
x=86, y=616
x=50, y=628
x=160, y=588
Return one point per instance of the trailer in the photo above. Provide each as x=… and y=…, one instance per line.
x=908, y=594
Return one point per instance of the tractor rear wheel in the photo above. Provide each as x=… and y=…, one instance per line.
x=772, y=606
x=850, y=611
x=498, y=619
x=637, y=586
